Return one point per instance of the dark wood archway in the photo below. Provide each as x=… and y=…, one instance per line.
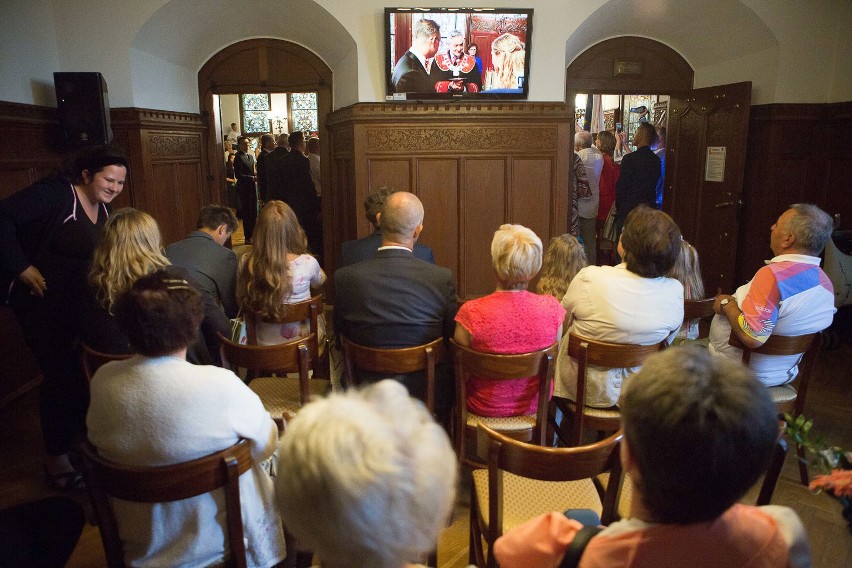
x=261, y=66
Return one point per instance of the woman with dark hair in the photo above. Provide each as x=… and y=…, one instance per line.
x=158, y=409
x=47, y=234
x=634, y=302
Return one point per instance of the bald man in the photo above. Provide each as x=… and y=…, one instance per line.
x=395, y=299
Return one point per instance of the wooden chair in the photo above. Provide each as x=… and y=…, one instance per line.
x=519, y=485
x=789, y=398
x=92, y=360
x=602, y=354
x=310, y=310
x=281, y=395
x=699, y=310
x=530, y=427
x=106, y=479
x=395, y=362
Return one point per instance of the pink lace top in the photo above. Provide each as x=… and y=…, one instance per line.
x=508, y=322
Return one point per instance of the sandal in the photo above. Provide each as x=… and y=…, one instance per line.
x=65, y=481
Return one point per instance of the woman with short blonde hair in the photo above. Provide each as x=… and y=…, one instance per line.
x=276, y=272
x=509, y=320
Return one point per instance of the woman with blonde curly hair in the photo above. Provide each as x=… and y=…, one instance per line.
x=508, y=58
x=565, y=257
x=277, y=272
x=130, y=247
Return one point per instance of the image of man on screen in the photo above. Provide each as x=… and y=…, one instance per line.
x=454, y=70
x=411, y=73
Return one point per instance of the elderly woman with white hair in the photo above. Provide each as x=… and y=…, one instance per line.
x=510, y=320
x=366, y=478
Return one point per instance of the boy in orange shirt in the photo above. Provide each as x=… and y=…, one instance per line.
x=699, y=431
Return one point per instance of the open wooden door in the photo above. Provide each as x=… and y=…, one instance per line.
x=705, y=159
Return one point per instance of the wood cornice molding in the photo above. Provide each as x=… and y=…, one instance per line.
x=26, y=113
x=157, y=119
x=441, y=111
x=800, y=112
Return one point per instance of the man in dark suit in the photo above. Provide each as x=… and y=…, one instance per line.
x=411, y=73
x=213, y=268
x=267, y=144
x=396, y=300
x=640, y=170
x=246, y=187
x=289, y=179
x=362, y=249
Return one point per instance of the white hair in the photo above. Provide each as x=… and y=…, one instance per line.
x=366, y=478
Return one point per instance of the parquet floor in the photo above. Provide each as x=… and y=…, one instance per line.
x=829, y=404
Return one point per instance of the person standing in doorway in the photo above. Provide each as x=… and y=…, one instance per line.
x=244, y=169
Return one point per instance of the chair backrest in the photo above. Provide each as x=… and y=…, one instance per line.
x=808, y=345
x=309, y=309
x=395, y=362
x=549, y=464
x=698, y=309
x=281, y=358
x=469, y=362
x=106, y=479
x=92, y=359
x=601, y=354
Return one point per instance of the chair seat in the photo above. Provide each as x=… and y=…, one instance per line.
x=783, y=393
x=525, y=498
x=504, y=423
x=280, y=395
x=603, y=413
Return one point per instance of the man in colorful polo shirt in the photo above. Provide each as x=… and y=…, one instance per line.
x=791, y=295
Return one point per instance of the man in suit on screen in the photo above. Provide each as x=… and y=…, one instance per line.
x=411, y=73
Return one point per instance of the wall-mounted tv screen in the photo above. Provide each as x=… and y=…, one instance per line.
x=447, y=53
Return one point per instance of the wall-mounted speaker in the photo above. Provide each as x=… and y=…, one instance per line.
x=83, y=105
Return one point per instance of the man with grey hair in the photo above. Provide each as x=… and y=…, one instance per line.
x=791, y=295
x=362, y=249
x=587, y=204
x=411, y=72
x=397, y=300
x=455, y=71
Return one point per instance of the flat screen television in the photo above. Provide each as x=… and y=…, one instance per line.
x=452, y=53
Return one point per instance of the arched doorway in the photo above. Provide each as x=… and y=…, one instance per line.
x=700, y=122
x=261, y=66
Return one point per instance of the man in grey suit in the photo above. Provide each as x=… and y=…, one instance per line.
x=362, y=249
x=213, y=268
x=396, y=300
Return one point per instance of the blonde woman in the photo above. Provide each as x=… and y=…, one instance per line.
x=508, y=58
x=565, y=257
x=687, y=271
x=276, y=272
x=130, y=247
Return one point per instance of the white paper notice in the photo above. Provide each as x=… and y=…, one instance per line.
x=715, y=169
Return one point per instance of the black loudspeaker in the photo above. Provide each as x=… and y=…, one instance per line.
x=83, y=104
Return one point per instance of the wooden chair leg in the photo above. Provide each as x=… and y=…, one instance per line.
x=475, y=553
x=773, y=472
x=803, y=464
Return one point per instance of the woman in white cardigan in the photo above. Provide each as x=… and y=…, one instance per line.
x=157, y=409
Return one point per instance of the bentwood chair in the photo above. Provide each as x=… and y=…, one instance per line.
x=308, y=310
x=589, y=352
x=92, y=359
x=527, y=428
x=698, y=310
x=282, y=396
x=790, y=398
x=395, y=362
x=523, y=481
x=106, y=480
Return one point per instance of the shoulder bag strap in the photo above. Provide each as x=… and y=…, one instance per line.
x=575, y=550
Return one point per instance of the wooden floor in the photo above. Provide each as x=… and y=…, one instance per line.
x=829, y=404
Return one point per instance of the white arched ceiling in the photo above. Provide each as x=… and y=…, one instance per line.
x=174, y=43
x=724, y=41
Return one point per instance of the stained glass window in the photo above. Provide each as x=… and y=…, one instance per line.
x=303, y=107
x=255, y=113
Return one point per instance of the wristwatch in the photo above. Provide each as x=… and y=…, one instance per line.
x=724, y=302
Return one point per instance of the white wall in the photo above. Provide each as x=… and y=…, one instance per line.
x=150, y=51
x=229, y=109
x=28, y=55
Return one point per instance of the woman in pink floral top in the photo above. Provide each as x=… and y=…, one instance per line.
x=277, y=272
x=510, y=320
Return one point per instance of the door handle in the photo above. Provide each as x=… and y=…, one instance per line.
x=729, y=203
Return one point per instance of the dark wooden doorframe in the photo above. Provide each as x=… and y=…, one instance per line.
x=264, y=66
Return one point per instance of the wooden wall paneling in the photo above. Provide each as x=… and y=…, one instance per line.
x=438, y=187
x=531, y=196
x=481, y=211
x=395, y=173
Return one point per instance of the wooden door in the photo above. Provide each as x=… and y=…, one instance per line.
x=705, y=160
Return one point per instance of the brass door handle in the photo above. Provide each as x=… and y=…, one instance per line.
x=729, y=203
